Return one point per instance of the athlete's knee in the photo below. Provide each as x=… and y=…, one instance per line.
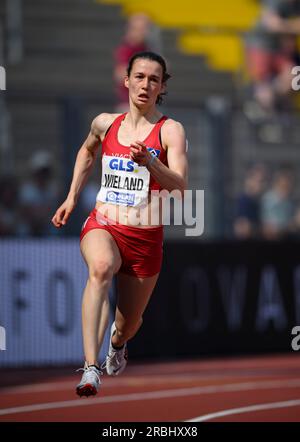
x=101, y=271
x=126, y=330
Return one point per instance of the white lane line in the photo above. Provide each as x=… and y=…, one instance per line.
x=249, y=409
x=149, y=395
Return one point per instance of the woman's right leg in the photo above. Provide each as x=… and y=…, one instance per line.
x=103, y=259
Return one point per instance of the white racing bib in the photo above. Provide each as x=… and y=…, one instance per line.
x=123, y=182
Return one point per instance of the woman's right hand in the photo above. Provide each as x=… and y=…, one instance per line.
x=63, y=213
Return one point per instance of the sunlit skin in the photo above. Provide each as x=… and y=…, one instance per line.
x=145, y=83
x=99, y=250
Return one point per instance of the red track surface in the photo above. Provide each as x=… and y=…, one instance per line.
x=256, y=389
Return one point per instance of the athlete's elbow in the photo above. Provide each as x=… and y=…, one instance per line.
x=86, y=156
x=180, y=189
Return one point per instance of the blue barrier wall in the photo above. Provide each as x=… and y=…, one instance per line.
x=223, y=298
x=40, y=302
x=211, y=299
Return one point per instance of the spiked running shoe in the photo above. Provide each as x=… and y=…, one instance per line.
x=116, y=360
x=90, y=381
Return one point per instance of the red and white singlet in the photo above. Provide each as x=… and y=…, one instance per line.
x=124, y=182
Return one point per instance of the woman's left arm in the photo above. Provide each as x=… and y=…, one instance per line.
x=173, y=176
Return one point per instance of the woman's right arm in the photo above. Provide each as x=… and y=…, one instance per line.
x=84, y=163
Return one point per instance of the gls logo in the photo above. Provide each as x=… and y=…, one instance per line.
x=118, y=164
x=295, y=341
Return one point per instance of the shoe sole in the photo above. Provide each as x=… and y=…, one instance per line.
x=86, y=390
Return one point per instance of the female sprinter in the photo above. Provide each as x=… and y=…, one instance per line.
x=142, y=151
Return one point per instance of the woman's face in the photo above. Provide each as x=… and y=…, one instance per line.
x=144, y=82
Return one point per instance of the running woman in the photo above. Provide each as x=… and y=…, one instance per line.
x=142, y=151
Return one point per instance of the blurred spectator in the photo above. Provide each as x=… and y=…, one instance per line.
x=38, y=197
x=9, y=216
x=247, y=223
x=278, y=206
x=272, y=52
x=140, y=35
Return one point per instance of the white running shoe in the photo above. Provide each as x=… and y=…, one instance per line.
x=90, y=381
x=116, y=360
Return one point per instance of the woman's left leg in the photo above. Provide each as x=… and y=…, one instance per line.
x=133, y=296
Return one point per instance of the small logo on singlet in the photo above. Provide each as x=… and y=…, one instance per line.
x=120, y=198
x=153, y=151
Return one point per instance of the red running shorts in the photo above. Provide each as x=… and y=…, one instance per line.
x=141, y=249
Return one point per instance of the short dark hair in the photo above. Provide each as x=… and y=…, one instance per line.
x=152, y=56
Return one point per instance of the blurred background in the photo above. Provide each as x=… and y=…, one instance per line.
x=233, y=290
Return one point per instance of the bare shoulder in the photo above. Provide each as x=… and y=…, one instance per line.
x=173, y=134
x=172, y=127
x=101, y=123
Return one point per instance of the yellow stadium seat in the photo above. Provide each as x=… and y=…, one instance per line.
x=223, y=52
x=212, y=29
x=233, y=14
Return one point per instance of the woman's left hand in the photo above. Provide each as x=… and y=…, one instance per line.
x=139, y=153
